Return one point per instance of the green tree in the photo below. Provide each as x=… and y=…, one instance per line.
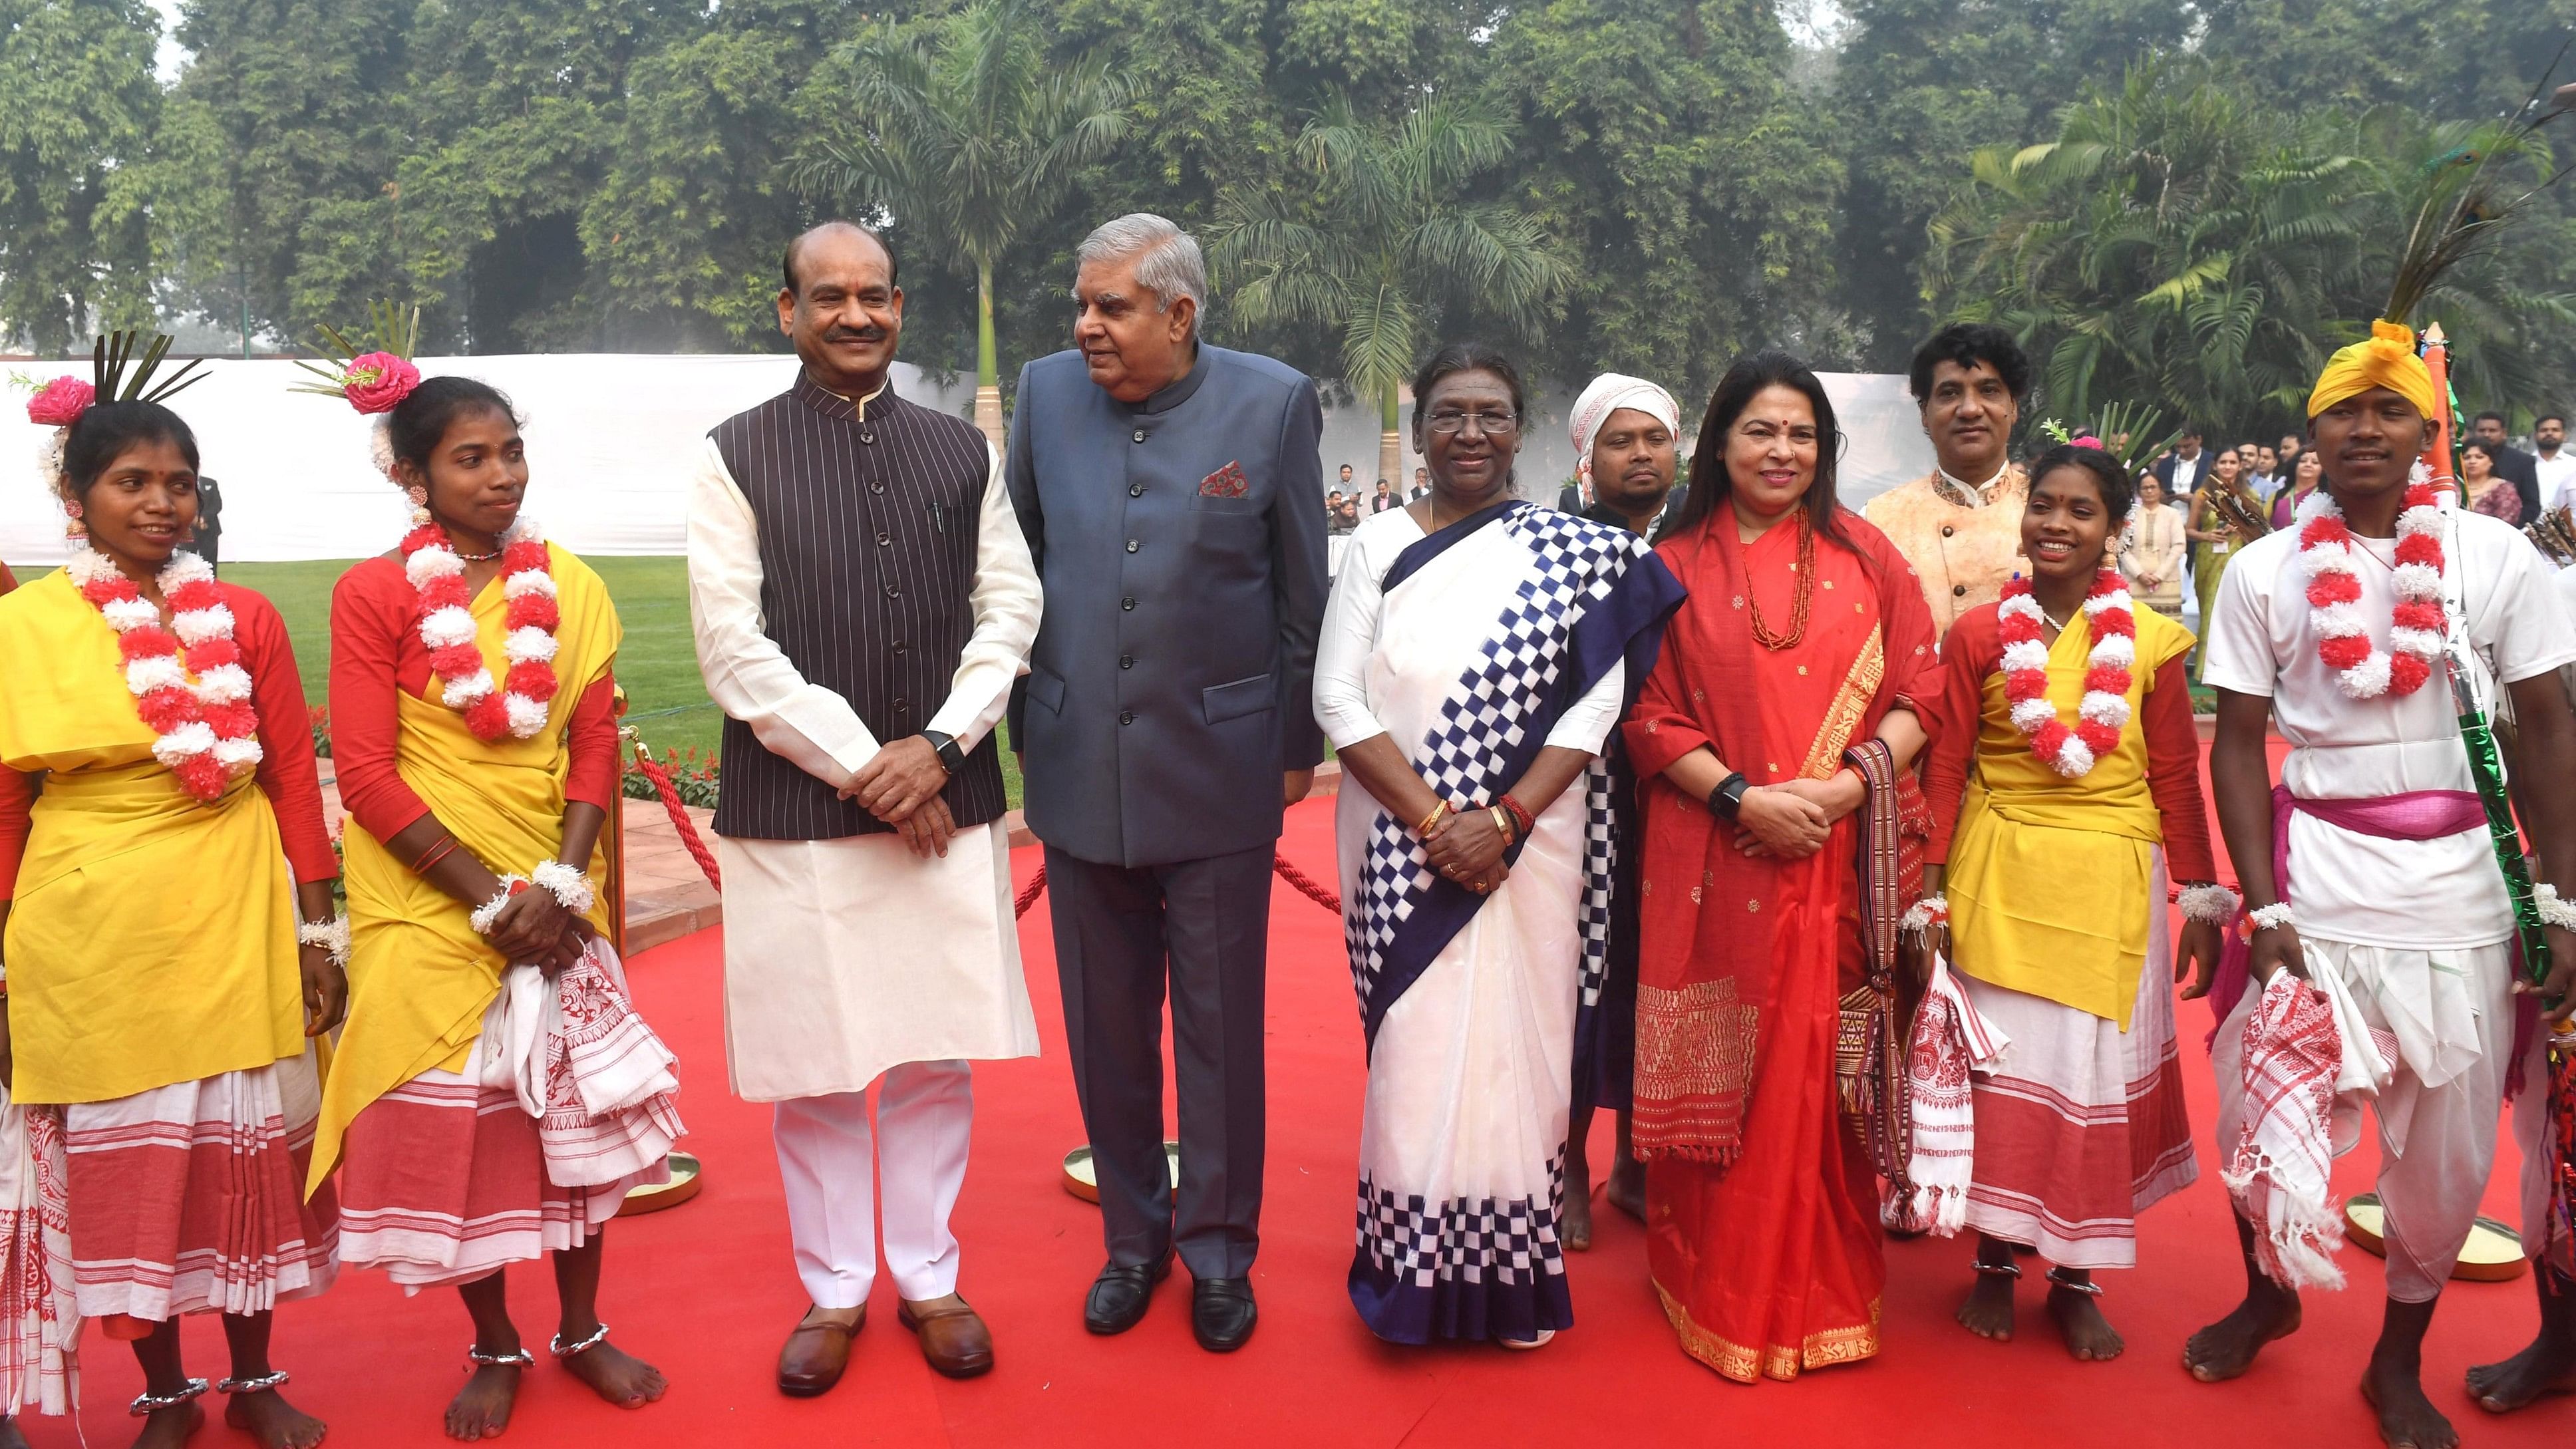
x=77, y=105
x=1389, y=243
x=1662, y=143
x=969, y=130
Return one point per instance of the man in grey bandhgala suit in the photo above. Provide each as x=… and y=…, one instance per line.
x=1170, y=494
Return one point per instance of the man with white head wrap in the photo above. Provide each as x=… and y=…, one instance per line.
x=1626, y=452
x=1626, y=432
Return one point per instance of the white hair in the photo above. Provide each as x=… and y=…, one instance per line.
x=1167, y=258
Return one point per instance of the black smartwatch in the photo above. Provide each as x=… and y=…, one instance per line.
x=952, y=756
x=1727, y=800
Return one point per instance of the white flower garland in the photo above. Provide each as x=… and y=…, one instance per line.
x=331, y=935
x=2553, y=911
x=2417, y=622
x=206, y=729
x=2213, y=905
x=567, y=884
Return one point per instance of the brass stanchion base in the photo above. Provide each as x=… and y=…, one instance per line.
x=1083, y=1182
x=687, y=1176
x=2493, y=1253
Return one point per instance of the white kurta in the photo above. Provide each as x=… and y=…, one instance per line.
x=846, y=957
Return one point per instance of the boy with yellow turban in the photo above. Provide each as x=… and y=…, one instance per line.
x=2369, y=870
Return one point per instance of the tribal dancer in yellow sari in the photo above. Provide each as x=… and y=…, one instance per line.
x=158, y=1005
x=474, y=733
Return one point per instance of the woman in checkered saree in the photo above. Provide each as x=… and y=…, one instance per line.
x=1476, y=654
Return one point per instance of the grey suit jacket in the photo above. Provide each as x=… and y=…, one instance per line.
x=1182, y=553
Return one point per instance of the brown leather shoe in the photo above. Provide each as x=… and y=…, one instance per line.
x=816, y=1353
x=953, y=1338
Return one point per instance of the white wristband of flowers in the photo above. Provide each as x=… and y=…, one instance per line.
x=2266, y=918
x=490, y=911
x=2213, y=905
x=2554, y=911
x=1925, y=914
x=331, y=935
x=566, y=883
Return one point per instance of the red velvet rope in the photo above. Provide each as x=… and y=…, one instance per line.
x=1303, y=882
x=679, y=814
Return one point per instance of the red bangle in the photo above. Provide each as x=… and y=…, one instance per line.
x=445, y=847
x=1520, y=816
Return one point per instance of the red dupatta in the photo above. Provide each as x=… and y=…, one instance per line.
x=1709, y=948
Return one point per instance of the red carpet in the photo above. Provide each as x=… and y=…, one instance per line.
x=706, y=1292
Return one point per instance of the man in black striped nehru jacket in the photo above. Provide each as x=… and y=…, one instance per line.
x=863, y=598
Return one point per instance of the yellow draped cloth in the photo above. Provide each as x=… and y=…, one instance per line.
x=2038, y=855
x=420, y=978
x=152, y=937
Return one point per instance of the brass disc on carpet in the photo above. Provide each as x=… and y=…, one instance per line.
x=2493, y=1253
x=1083, y=1181
x=687, y=1176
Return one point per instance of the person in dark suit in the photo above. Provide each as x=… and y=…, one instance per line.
x=2511, y=463
x=1167, y=489
x=210, y=521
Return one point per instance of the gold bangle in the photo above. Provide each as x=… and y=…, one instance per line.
x=1432, y=819
x=1502, y=820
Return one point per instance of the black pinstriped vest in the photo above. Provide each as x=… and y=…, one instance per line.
x=867, y=551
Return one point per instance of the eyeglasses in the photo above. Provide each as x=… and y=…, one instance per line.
x=1492, y=425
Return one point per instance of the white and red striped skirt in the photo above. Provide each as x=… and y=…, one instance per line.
x=2081, y=1126
x=443, y=1181
x=190, y=1197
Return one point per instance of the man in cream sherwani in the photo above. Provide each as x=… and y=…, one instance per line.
x=863, y=599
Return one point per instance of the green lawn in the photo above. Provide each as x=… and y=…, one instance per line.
x=666, y=701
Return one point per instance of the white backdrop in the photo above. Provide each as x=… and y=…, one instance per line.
x=612, y=437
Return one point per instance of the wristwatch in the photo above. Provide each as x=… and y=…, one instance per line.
x=952, y=756
x=1727, y=800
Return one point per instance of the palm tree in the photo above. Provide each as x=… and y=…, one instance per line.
x=973, y=133
x=1386, y=242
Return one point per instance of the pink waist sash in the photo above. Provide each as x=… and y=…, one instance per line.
x=2415, y=815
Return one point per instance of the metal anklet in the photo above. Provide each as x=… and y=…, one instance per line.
x=2057, y=1279
x=273, y=1379
x=561, y=1349
x=146, y=1405
x=1995, y=1270
x=516, y=1358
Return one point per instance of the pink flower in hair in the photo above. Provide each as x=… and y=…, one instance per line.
x=377, y=381
x=59, y=403
x=2086, y=441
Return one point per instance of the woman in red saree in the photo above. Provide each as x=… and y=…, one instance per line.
x=1772, y=740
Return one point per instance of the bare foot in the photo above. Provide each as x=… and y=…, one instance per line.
x=1627, y=1190
x=2089, y=1336
x=2547, y=1367
x=481, y=1409
x=169, y=1428
x=1988, y=1311
x=2407, y=1419
x=1574, y=1219
x=617, y=1376
x=275, y=1423
x=2227, y=1348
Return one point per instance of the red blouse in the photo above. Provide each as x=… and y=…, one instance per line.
x=286, y=772
x=1974, y=650
x=375, y=650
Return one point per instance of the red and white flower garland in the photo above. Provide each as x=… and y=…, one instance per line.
x=2105, y=709
x=516, y=706
x=208, y=728
x=2417, y=623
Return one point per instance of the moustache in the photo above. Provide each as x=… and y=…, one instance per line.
x=862, y=334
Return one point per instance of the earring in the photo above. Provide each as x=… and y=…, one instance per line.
x=419, y=504
x=75, y=532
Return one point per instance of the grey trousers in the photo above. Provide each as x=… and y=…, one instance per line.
x=1120, y=933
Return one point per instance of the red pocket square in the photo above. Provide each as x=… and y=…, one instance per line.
x=1225, y=482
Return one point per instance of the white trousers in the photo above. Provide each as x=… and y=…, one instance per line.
x=830, y=1161
x=2450, y=1014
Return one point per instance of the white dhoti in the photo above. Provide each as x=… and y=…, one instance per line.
x=2427, y=1043
x=855, y=962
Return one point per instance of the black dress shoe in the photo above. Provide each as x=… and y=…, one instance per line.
x=1222, y=1313
x=1120, y=1293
